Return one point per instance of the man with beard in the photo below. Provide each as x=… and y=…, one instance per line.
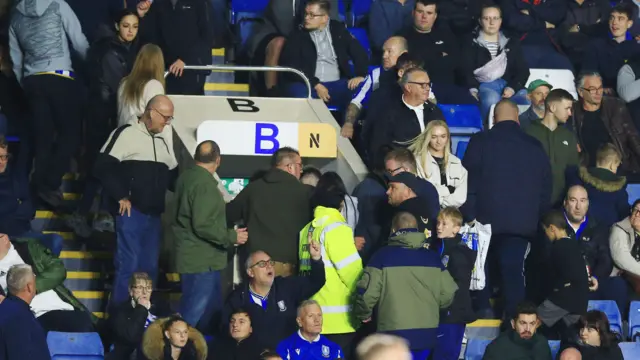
x=537, y=92
x=521, y=341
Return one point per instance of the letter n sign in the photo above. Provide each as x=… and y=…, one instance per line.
x=265, y=134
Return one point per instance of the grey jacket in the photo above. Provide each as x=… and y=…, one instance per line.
x=628, y=87
x=621, y=241
x=39, y=37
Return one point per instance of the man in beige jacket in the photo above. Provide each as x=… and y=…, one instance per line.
x=624, y=243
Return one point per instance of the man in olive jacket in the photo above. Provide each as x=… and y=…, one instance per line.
x=202, y=239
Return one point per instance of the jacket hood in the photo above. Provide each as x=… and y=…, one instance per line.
x=322, y=214
x=278, y=176
x=625, y=225
x=33, y=8
x=408, y=238
x=502, y=40
x=602, y=179
x=153, y=341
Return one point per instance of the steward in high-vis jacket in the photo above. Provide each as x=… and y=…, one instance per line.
x=405, y=267
x=342, y=262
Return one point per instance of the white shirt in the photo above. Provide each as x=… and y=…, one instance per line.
x=419, y=110
x=41, y=303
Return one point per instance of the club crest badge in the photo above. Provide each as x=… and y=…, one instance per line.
x=445, y=260
x=282, y=306
x=325, y=351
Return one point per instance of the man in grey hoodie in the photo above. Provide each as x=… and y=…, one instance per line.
x=39, y=36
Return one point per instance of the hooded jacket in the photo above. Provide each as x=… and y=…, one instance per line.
x=227, y=348
x=39, y=37
x=608, y=198
x=409, y=286
x=274, y=208
x=510, y=346
x=456, y=174
x=156, y=347
x=459, y=260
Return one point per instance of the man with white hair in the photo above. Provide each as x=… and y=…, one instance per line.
x=21, y=336
x=383, y=347
x=307, y=342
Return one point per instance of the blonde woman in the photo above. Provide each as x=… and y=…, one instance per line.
x=436, y=164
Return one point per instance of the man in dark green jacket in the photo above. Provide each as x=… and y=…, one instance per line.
x=521, y=341
x=558, y=142
x=202, y=239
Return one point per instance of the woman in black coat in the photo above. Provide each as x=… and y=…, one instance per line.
x=593, y=340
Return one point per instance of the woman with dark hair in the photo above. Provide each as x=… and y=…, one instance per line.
x=173, y=339
x=595, y=341
x=331, y=181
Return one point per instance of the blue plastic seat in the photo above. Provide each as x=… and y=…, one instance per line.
x=634, y=321
x=362, y=37
x=633, y=190
x=554, y=345
x=75, y=346
x=462, y=119
x=630, y=350
x=359, y=10
x=461, y=148
x=610, y=309
x=475, y=349
x=250, y=6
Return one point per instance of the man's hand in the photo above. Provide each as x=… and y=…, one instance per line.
x=549, y=25
x=353, y=83
x=525, y=11
x=143, y=7
x=242, y=235
x=366, y=320
x=507, y=92
x=323, y=92
x=593, y=282
x=314, y=250
x=347, y=130
x=574, y=29
x=360, y=241
x=1, y=299
x=125, y=207
x=177, y=68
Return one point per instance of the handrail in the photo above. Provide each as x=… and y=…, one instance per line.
x=251, y=68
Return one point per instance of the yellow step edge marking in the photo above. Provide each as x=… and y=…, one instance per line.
x=217, y=52
x=100, y=315
x=45, y=214
x=86, y=255
x=485, y=323
x=66, y=235
x=226, y=87
x=71, y=196
x=83, y=275
x=71, y=176
x=173, y=277
x=89, y=294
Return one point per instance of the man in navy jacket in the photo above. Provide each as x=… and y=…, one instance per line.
x=510, y=188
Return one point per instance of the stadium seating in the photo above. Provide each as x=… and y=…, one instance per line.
x=462, y=119
x=610, y=308
x=475, y=349
x=630, y=350
x=461, y=148
x=361, y=35
x=250, y=6
x=359, y=10
x=75, y=346
x=633, y=190
x=562, y=79
x=634, y=321
x=554, y=345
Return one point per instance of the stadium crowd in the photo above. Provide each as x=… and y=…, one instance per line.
x=323, y=268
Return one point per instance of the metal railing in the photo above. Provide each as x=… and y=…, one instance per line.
x=251, y=68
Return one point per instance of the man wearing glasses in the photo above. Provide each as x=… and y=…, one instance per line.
x=599, y=119
x=271, y=300
x=624, y=243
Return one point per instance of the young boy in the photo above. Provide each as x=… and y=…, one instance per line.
x=459, y=259
x=569, y=276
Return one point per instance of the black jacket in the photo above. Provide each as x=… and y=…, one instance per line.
x=568, y=276
x=460, y=261
x=227, y=348
x=440, y=52
x=509, y=346
x=592, y=16
x=300, y=53
x=531, y=29
x=606, y=56
x=612, y=352
x=423, y=207
x=476, y=56
x=277, y=321
x=461, y=15
x=183, y=31
x=16, y=207
x=509, y=184
x=593, y=240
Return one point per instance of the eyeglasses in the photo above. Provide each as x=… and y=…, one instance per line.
x=5, y=157
x=312, y=15
x=143, y=288
x=263, y=264
x=424, y=85
x=594, y=91
x=394, y=171
x=635, y=212
x=489, y=19
x=166, y=118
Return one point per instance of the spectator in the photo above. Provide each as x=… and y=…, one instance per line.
x=405, y=267
x=586, y=21
x=439, y=166
x=137, y=176
x=22, y=336
x=54, y=306
x=16, y=207
x=595, y=340
x=558, y=142
x=522, y=340
x=599, y=120
x=110, y=59
x=607, y=191
x=322, y=50
x=331, y=183
x=172, y=338
x=387, y=18
x=606, y=55
x=535, y=23
x=271, y=300
x=184, y=32
x=593, y=238
x=403, y=189
x=629, y=88
x=202, y=239
x=537, y=92
x=460, y=16
x=270, y=355
x=406, y=116
x=310, y=175
x=392, y=49
x=39, y=38
x=495, y=66
x=308, y=342
x=440, y=52
x=238, y=342
x=343, y=265
x=625, y=253
x=96, y=19
x=132, y=317
x=512, y=202
x=569, y=276
x=459, y=260
x=383, y=347
x=275, y=208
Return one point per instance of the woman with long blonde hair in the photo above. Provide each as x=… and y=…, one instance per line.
x=436, y=163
